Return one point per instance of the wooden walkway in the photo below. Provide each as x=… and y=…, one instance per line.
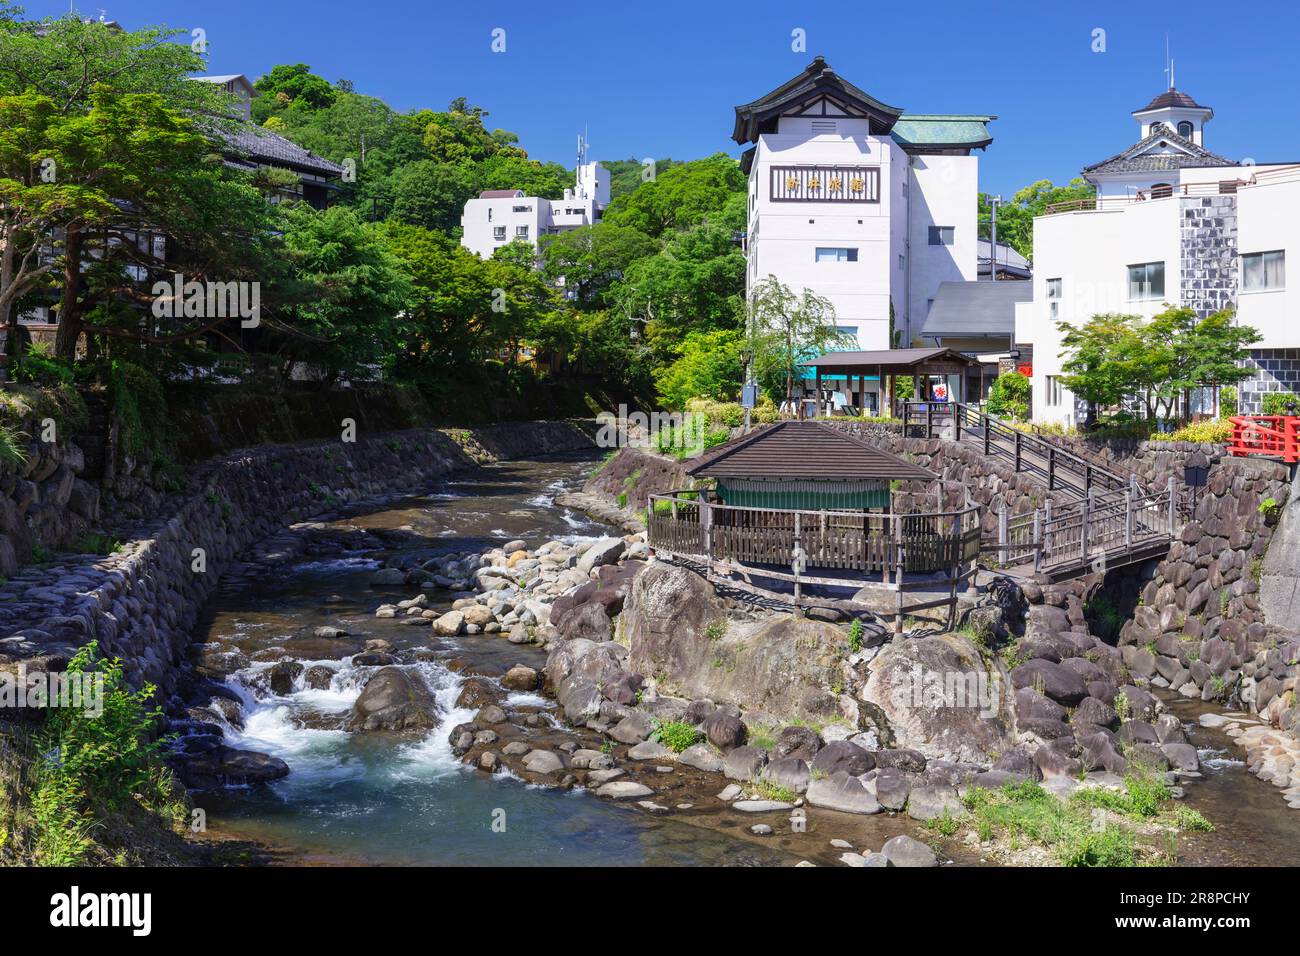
x=1110, y=521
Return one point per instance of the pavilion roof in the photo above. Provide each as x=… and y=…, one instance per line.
x=805, y=450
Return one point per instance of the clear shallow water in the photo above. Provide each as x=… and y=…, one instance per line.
x=407, y=800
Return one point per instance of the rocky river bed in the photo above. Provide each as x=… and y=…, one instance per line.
x=376, y=676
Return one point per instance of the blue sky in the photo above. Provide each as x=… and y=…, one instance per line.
x=660, y=79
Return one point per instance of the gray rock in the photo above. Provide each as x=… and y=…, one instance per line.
x=761, y=806
x=623, y=790
x=543, y=761
x=929, y=803
x=633, y=728
x=840, y=755
x=744, y=763
x=792, y=773
x=701, y=757
x=904, y=850
x=601, y=552
x=842, y=792
x=892, y=788
x=649, y=750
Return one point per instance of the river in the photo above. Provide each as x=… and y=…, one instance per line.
x=382, y=799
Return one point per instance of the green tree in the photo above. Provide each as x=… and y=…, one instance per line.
x=1099, y=359
x=590, y=259
x=1016, y=217
x=345, y=311
x=291, y=84
x=708, y=365
x=785, y=329
x=703, y=190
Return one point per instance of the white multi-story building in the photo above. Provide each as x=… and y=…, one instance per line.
x=859, y=202
x=1172, y=224
x=500, y=216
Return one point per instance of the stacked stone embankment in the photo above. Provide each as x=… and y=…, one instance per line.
x=141, y=601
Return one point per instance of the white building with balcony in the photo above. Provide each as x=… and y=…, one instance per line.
x=859, y=202
x=500, y=216
x=1172, y=224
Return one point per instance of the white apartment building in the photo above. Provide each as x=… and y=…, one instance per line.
x=499, y=216
x=1173, y=224
x=859, y=202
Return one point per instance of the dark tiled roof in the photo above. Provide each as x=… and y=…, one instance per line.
x=1175, y=98
x=889, y=357
x=1132, y=160
x=976, y=308
x=804, y=450
x=817, y=79
x=264, y=146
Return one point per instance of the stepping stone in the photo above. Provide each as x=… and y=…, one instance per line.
x=842, y=844
x=652, y=806
x=761, y=829
x=730, y=792
x=605, y=776
x=1212, y=720
x=623, y=790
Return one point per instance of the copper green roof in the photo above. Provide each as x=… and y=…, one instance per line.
x=921, y=132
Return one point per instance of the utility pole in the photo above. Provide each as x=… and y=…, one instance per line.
x=994, y=202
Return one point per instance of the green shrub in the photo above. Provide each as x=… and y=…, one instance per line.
x=1269, y=509
x=677, y=735
x=93, y=764
x=855, y=635
x=1227, y=401
x=1277, y=403
x=13, y=448
x=1216, y=432
x=1009, y=395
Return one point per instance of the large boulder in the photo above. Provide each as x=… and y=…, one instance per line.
x=789, y=772
x=781, y=664
x=842, y=755
x=797, y=741
x=842, y=792
x=587, y=621
x=939, y=698
x=725, y=731
x=904, y=850
x=602, y=551
x=393, y=699
x=1052, y=680
x=744, y=763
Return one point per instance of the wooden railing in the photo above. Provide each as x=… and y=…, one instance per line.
x=1059, y=468
x=1270, y=436
x=1105, y=528
x=857, y=542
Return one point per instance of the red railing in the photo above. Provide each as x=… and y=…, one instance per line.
x=1274, y=436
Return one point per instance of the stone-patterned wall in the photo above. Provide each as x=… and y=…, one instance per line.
x=141, y=602
x=1272, y=370
x=1208, y=244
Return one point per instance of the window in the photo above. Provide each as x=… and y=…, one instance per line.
x=499, y=233
x=1185, y=130
x=1053, y=297
x=1263, y=270
x=1146, y=281
x=831, y=254
x=521, y=232
x=521, y=209
x=941, y=235
x=1161, y=190
x=1053, y=396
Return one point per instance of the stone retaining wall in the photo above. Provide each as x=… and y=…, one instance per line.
x=141, y=602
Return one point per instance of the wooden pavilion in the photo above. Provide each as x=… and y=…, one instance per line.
x=921, y=365
x=805, y=503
